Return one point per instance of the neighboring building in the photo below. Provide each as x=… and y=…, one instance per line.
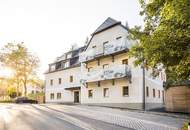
x=63, y=78
x=30, y=89
x=107, y=76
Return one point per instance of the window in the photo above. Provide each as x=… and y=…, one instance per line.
x=59, y=80
x=147, y=91
x=154, y=94
x=98, y=62
x=89, y=69
x=51, y=82
x=105, y=45
x=105, y=66
x=158, y=93
x=69, y=55
x=106, y=92
x=117, y=38
x=113, y=82
x=125, y=61
x=58, y=95
x=71, y=79
x=90, y=94
x=52, y=96
x=52, y=67
x=94, y=46
x=113, y=58
x=105, y=42
x=125, y=91
x=66, y=64
x=98, y=83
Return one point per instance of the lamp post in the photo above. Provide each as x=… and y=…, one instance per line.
x=144, y=101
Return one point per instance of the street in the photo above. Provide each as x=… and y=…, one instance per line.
x=38, y=117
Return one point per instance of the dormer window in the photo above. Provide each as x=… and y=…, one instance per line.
x=66, y=64
x=52, y=67
x=68, y=55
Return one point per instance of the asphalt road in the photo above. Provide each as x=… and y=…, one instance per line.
x=36, y=117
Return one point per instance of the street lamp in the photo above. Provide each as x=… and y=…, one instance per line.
x=144, y=101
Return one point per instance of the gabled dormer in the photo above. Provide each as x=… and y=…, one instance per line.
x=109, y=38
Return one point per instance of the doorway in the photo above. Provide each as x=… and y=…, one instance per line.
x=76, y=96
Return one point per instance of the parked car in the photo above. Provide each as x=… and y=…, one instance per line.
x=24, y=100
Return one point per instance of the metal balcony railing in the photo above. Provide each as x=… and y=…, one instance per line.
x=108, y=48
x=113, y=72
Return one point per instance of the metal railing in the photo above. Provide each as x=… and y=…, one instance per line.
x=108, y=48
x=112, y=72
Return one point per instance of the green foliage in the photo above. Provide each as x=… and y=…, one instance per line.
x=34, y=96
x=165, y=38
x=185, y=126
x=21, y=61
x=12, y=92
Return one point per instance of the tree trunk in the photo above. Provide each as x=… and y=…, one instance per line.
x=25, y=88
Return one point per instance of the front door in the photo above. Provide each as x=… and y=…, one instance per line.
x=76, y=96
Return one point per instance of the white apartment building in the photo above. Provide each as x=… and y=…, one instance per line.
x=63, y=79
x=104, y=74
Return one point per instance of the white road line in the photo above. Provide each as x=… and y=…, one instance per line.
x=68, y=118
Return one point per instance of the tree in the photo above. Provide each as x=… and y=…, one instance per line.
x=165, y=38
x=23, y=63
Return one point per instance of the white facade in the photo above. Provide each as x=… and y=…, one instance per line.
x=107, y=75
x=33, y=89
x=67, y=96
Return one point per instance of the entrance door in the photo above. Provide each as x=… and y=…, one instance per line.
x=76, y=96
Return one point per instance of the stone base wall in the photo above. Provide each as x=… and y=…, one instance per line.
x=137, y=106
x=178, y=99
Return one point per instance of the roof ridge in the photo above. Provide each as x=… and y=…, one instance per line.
x=106, y=24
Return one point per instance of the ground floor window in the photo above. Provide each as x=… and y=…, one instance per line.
x=52, y=96
x=106, y=92
x=90, y=94
x=147, y=91
x=158, y=93
x=154, y=94
x=125, y=91
x=58, y=95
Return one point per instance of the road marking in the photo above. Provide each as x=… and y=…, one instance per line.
x=67, y=118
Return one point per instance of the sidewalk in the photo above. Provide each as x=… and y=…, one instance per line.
x=130, y=119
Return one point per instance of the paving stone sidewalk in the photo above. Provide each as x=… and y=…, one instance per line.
x=129, y=119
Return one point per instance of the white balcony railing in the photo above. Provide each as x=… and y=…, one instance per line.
x=108, y=48
x=113, y=72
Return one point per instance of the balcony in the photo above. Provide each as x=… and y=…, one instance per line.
x=108, y=49
x=113, y=72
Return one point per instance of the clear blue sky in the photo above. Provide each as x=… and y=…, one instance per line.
x=50, y=27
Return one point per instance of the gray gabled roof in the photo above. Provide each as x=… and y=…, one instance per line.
x=109, y=22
